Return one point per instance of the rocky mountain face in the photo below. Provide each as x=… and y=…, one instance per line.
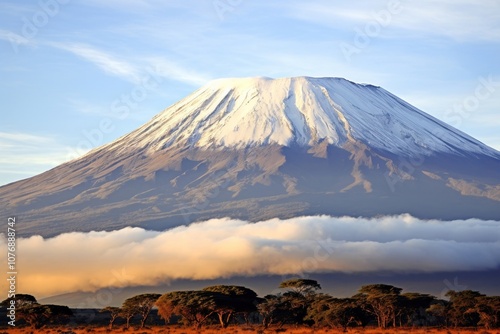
x=259, y=148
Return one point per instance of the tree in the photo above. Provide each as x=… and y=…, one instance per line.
x=140, y=304
x=488, y=309
x=58, y=313
x=439, y=310
x=381, y=300
x=37, y=315
x=274, y=310
x=194, y=306
x=412, y=307
x=326, y=310
x=34, y=314
x=127, y=312
x=301, y=286
x=232, y=299
x=299, y=295
x=461, y=310
x=318, y=309
x=115, y=312
x=22, y=300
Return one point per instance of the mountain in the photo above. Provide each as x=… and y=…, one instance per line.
x=257, y=148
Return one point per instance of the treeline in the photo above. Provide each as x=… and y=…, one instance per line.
x=300, y=303
x=26, y=308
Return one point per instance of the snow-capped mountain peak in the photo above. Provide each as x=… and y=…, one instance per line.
x=261, y=148
x=248, y=112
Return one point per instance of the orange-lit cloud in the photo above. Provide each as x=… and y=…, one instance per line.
x=226, y=247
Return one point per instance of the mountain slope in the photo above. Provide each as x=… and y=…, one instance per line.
x=258, y=148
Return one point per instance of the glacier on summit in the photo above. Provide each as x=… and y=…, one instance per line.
x=302, y=111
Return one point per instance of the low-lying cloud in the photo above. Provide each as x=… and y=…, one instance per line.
x=228, y=247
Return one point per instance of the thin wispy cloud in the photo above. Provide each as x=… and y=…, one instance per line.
x=89, y=108
x=17, y=8
x=13, y=38
x=24, y=137
x=174, y=71
x=107, y=62
x=224, y=248
x=124, y=5
x=460, y=20
x=134, y=70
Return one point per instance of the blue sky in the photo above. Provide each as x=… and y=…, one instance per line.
x=78, y=74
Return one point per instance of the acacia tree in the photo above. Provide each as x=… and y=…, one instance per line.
x=194, y=306
x=302, y=286
x=274, y=310
x=318, y=309
x=34, y=314
x=438, y=310
x=326, y=310
x=22, y=300
x=232, y=299
x=381, y=300
x=142, y=305
x=37, y=315
x=114, y=312
x=299, y=295
x=412, y=307
x=127, y=312
x=461, y=308
x=488, y=309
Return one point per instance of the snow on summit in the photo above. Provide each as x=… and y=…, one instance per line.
x=248, y=112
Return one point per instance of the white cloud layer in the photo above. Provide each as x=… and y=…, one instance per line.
x=226, y=247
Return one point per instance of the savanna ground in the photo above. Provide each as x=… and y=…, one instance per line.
x=241, y=330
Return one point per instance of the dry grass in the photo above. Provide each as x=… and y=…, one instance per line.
x=236, y=330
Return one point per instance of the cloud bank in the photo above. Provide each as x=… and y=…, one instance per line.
x=227, y=247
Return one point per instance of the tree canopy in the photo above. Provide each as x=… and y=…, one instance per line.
x=232, y=299
x=114, y=312
x=194, y=306
x=379, y=305
x=301, y=285
x=381, y=300
x=37, y=315
x=140, y=304
x=21, y=299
